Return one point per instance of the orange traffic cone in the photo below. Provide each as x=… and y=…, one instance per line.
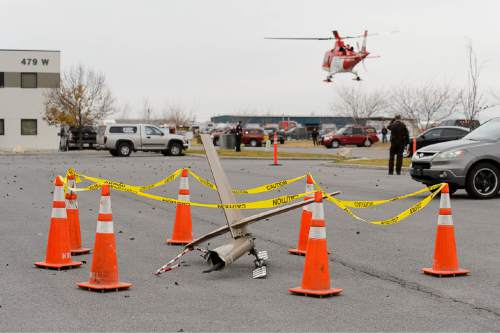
x=305, y=222
x=316, y=277
x=73, y=214
x=183, y=230
x=445, y=251
x=104, y=268
x=58, y=253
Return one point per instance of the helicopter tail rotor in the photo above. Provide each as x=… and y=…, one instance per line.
x=363, y=47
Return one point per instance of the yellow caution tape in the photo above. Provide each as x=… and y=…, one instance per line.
x=203, y=181
x=137, y=190
x=266, y=203
x=254, y=190
x=119, y=185
x=396, y=219
x=372, y=203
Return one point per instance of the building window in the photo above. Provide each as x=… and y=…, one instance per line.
x=2, y=126
x=28, y=127
x=2, y=79
x=28, y=80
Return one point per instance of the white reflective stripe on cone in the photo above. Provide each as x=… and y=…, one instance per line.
x=59, y=193
x=184, y=197
x=59, y=213
x=71, y=204
x=317, y=233
x=309, y=187
x=445, y=220
x=307, y=208
x=104, y=227
x=445, y=201
x=317, y=211
x=105, y=205
x=184, y=183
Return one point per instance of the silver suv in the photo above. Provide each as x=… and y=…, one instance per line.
x=122, y=139
x=472, y=163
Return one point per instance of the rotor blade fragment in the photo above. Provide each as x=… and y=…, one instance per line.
x=252, y=219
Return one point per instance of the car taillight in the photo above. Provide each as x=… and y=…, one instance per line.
x=105, y=139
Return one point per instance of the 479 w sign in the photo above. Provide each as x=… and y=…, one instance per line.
x=34, y=61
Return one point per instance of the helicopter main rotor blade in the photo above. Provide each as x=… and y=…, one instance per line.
x=359, y=36
x=299, y=38
x=252, y=219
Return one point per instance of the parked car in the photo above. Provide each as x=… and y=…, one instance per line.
x=352, y=135
x=471, y=124
x=70, y=137
x=472, y=163
x=439, y=134
x=122, y=139
x=323, y=134
x=252, y=137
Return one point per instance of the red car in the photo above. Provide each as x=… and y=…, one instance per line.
x=252, y=137
x=352, y=135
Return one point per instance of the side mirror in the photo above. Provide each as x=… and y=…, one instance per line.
x=162, y=134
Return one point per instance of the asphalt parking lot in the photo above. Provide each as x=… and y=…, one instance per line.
x=377, y=266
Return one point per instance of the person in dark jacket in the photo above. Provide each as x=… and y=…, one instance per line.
x=315, y=135
x=400, y=138
x=384, y=134
x=239, y=133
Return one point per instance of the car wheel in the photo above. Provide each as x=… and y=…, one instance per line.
x=335, y=144
x=175, y=149
x=367, y=143
x=113, y=152
x=483, y=181
x=253, y=143
x=124, y=149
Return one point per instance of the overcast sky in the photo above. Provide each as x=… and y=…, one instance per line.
x=210, y=56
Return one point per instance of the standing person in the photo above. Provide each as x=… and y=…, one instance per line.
x=315, y=135
x=238, y=132
x=399, y=140
x=384, y=134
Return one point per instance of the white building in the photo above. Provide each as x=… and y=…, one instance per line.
x=24, y=76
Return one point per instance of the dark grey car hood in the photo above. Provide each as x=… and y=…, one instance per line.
x=455, y=144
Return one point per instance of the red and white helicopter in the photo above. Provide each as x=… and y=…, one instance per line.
x=342, y=58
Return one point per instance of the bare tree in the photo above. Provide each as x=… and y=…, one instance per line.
x=356, y=103
x=147, y=109
x=82, y=99
x=425, y=104
x=177, y=115
x=472, y=99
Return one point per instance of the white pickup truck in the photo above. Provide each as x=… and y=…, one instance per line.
x=122, y=139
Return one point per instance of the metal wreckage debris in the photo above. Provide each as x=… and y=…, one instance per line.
x=242, y=241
